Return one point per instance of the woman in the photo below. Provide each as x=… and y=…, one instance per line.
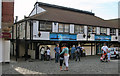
x=66, y=56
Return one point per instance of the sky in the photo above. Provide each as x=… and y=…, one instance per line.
x=105, y=9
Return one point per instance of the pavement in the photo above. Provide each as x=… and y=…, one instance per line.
x=87, y=65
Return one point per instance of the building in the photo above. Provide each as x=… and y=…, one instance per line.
x=50, y=24
x=6, y=21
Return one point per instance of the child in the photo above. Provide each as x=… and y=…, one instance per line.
x=108, y=54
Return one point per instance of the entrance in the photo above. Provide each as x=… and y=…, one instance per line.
x=98, y=47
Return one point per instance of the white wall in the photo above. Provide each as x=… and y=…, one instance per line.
x=54, y=27
x=39, y=10
x=85, y=30
x=113, y=38
x=117, y=32
x=108, y=31
x=0, y=13
x=28, y=30
x=44, y=35
x=1, y=49
x=92, y=37
x=6, y=51
x=80, y=37
x=71, y=28
x=98, y=31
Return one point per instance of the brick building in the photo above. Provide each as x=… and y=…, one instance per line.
x=6, y=21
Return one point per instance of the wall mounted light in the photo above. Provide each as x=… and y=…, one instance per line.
x=88, y=36
x=84, y=35
x=116, y=37
x=39, y=34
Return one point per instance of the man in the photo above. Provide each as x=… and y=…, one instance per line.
x=57, y=52
x=104, y=51
x=78, y=52
x=73, y=52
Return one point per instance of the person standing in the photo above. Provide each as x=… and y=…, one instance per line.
x=104, y=51
x=109, y=55
x=66, y=56
x=48, y=54
x=78, y=52
x=42, y=51
x=57, y=52
x=73, y=52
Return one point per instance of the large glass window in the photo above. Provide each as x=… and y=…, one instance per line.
x=112, y=31
x=91, y=29
x=64, y=28
x=103, y=31
x=79, y=29
x=45, y=26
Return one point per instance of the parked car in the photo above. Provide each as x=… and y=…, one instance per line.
x=114, y=52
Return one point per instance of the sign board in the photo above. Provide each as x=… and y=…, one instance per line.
x=63, y=37
x=102, y=38
x=5, y=35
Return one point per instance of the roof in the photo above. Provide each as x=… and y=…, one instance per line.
x=114, y=22
x=70, y=15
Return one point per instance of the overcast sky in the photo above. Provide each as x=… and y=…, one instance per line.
x=106, y=9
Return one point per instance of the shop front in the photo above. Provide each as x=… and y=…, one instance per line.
x=100, y=39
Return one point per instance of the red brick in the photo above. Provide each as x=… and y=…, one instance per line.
x=8, y=12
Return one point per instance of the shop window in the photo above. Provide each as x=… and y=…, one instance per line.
x=79, y=29
x=45, y=26
x=112, y=31
x=103, y=31
x=64, y=28
x=91, y=29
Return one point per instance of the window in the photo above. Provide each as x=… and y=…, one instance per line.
x=91, y=29
x=45, y=26
x=103, y=31
x=79, y=29
x=64, y=28
x=61, y=26
x=112, y=31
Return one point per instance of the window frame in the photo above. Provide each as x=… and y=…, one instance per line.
x=45, y=26
x=101, y=30
x=92, y=30
x=112, y=33
x=80, y=29
x=63, y=28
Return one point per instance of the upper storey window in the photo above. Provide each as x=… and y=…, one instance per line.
x=45, y=26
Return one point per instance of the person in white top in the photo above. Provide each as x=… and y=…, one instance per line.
x=48, y=54
x=104, y=51
x=42, y=51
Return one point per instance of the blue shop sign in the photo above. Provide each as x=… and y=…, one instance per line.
x=102, y=38
x=63, y=37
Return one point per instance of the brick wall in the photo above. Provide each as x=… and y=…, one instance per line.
x=8, y=12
